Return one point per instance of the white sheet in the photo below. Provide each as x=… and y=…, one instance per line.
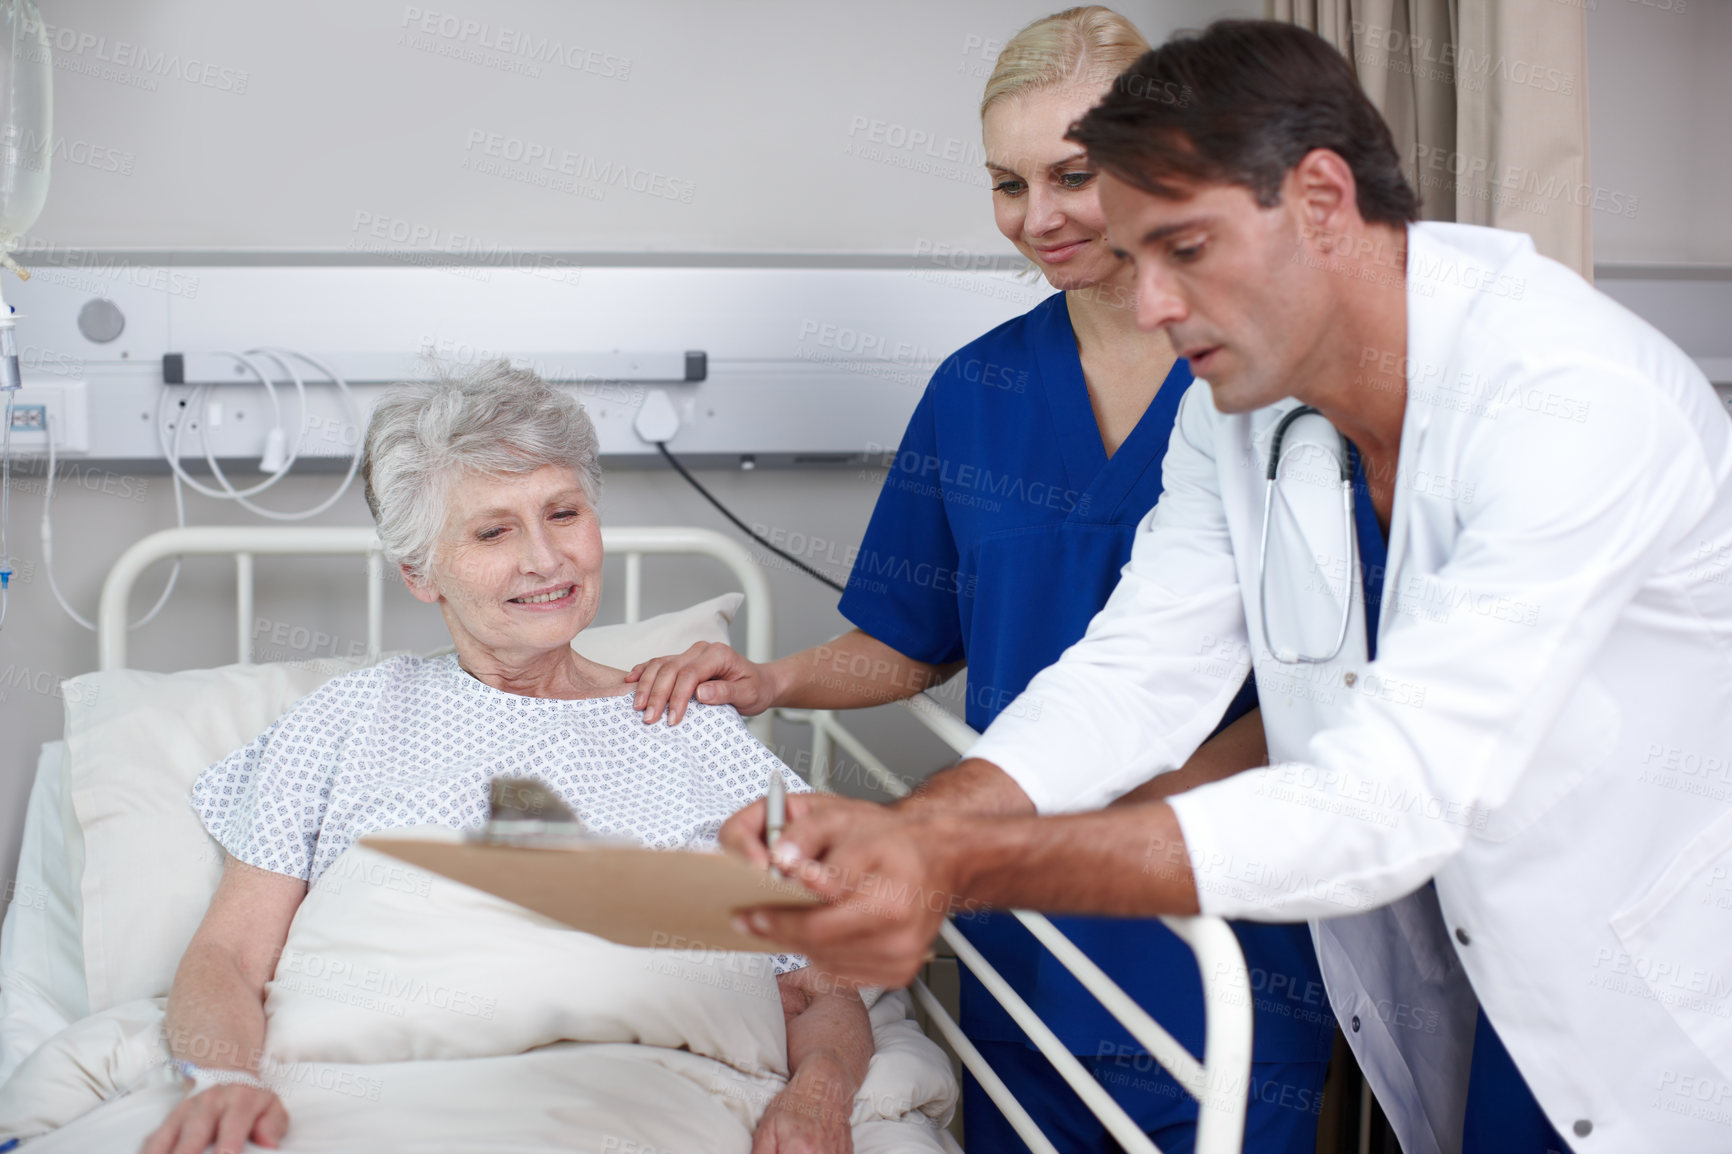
x=531, y=1036
x=611, y=1098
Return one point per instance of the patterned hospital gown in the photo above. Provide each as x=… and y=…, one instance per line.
x=418, y=741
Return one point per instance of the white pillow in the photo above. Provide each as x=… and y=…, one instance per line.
x=41, y=953
x=136, y=741
x=388, y=963
x=623, y=646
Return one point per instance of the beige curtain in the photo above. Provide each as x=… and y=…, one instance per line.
x=1488, y=102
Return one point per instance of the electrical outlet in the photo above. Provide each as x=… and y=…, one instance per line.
x=62, y=408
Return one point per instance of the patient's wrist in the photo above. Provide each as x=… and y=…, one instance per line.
x=198, y=1079
x=823, y=1080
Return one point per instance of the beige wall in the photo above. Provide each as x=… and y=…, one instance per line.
x=1660, y=105
x=328, y=107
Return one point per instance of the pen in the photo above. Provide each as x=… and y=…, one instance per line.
x=775, y=813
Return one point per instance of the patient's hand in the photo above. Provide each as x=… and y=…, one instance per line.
x=216, y=1013
x=829, y=1048
x=224, y=1116
x=810, y=1116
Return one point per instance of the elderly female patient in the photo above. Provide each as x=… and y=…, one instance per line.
x=484, y=489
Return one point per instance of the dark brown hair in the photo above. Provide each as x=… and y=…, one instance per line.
x=1242, y=102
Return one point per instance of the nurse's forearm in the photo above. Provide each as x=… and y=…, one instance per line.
x=1130, y=862
x=1240, y=746
x=852, y=672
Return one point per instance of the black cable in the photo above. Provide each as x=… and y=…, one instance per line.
x=744, y=528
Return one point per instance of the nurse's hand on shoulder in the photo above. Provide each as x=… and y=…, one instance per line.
x=709, y=671
x=886, y=881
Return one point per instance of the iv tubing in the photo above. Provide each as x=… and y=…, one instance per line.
x=48, y=548
x=7, y=322
x=6, y=507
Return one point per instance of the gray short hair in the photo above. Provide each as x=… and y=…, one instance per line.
x=494, y=420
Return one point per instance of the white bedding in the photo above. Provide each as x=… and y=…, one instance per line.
x=611, y=1098
x=413, y=1013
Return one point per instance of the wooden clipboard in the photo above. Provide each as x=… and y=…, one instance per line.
x=658, y=899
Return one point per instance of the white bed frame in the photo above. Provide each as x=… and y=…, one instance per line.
x=1220, y=1082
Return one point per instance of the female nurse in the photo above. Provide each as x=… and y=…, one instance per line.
x=1004, y=520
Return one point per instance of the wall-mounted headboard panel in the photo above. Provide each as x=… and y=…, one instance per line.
x=798, y=362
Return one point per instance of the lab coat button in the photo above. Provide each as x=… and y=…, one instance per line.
x=1356, y=1023
x=1350, y=677
x=1583, y=1127
x=1461, y=935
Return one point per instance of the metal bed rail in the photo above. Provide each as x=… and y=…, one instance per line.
x=1220, y=1082
x=245, y=542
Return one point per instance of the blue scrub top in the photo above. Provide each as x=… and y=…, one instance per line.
x=1373, y=551
x=999, y=534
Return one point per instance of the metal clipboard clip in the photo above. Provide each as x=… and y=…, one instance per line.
x=523, y=812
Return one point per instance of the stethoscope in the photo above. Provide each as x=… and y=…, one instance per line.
x=1281, y=653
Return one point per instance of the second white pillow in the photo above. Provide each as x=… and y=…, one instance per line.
x=388, y=963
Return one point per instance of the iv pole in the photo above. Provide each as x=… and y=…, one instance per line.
x=26, y=119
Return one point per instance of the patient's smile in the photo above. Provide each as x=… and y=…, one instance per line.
x=559, y=593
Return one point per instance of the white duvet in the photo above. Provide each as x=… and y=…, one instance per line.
x=412, y=1013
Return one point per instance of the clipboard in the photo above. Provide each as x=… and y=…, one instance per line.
x=654, y=899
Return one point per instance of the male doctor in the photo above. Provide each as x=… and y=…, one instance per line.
x=1500, y=760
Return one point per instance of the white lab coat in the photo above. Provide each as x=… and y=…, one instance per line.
x=1547, y=730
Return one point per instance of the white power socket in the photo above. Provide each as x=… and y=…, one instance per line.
x=657, y=419
x=68, y=414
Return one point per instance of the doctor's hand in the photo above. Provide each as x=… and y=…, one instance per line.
x=223, y=1118
x=709, y=671
x=886, y=878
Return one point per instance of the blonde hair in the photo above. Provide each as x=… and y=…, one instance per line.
x=1088, y=45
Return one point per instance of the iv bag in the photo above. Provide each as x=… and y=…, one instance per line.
x=26, y=121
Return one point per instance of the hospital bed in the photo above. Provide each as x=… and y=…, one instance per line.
x=1219, y=1081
